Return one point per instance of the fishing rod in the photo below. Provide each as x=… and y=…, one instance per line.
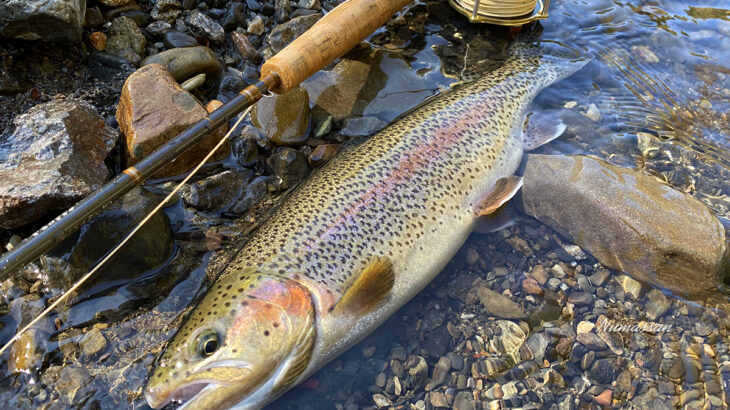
x=332, y=36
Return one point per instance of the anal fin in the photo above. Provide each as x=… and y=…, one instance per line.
x=540, y=128
x=503, y=191
x=370, y=288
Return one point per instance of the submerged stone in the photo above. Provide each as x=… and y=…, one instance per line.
x=53, y=158
x=289, y=165
x=629, y=221
x=336, y=90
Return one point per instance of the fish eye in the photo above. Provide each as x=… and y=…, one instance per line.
x=208, y=343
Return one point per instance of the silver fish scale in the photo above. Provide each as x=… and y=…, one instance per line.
x=379, y=198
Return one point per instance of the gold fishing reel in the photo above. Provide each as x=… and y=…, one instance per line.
x=502, y=12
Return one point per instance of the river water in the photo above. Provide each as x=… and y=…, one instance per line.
x=655, y=98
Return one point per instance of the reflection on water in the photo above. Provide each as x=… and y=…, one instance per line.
x=656, y=97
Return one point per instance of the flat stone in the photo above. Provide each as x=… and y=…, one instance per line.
x=126, y=40
x=591, y=341
x=539, y=274
x=440, y=372
x=185, y=62
x=284, y=118
x=580, y=298
x=499, y=305
x=26, y=354
x=630, y=286
x=628, y=221
x=47, y=20
x=438, y=400
x=245, y=49
x=93, y=344
x=336, y=90
x=153, y=109
x=604, y=399
x=53, y=158
x=657, y=304
x=206, y=26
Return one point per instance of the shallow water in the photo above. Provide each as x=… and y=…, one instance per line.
x=655, y=98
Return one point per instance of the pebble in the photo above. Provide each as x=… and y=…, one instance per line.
x=93, y=344
x=26, y=354
x=464, y=400
x=557, y=271
x=126, y=40
x=217, y=192
x=539, y=274
x=186, y=62
x=417, y=371
x=598, y=278
x=604, y=371
x=531, y=287
x=194, y=82
x=440, y=372
x=585, y=327
x=98, y=40
x=438, y=400
x=256, y=26
x=381, y=401
x=245, y=49
x=233, y=17
x=499, y=305
x=657, y=304
x=322, y=153
x=205, y=26
x=93, y=17
x=157, y=29
x=175, y=39
x=587, y=359
x=593, y=113
x=591, y=341
x=337, y=90
x=630, y=286
x=580, y=298
x=284, y=118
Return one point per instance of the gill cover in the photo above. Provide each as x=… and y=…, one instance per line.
x=251, y=330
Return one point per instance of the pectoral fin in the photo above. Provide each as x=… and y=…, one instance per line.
x=540, y=128
x=369, y=290
x=503, y=191
x=503, y=218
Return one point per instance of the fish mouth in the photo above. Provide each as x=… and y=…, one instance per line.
x=182, y=394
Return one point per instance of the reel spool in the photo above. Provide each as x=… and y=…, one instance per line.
x=502, y=12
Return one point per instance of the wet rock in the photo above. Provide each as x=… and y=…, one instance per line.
x=464, y=400
x=139, y=17
x=538, y=342
x=245, y=49
x=176, y=39
x=598, y=278
x=98, y=40
x=205, y=26
x=245, y=149
x=231, y=83
x=587, y=359
x=289, y=165
x=381, y=401
x=283, y=34
x=657, y=305
x=437, y=342
x=216, y=192
x=591, y=341
x=285, y=119
x=256, y=26
x=93, y=344
x=93, y=17
x=73, y=384
x=322, y=153
x=604, y=399
x=580, y=298
x=438, y=400
x=604, y=371
x=499, y=305
x=440, y=372
x=147, y=250
x=153, y=109
x=234, y=16
x=417, y=371
x=539, y=274
x=361, y=126
x=166, y=10
x=627, y=220
x=114, y=3
x=53, y=158
x=47, y=20
x=183, y=63
x=530, y=286
x=336, y=90
x=126, y=40
x=26, y=354
x=630, y=286
x=158, y=28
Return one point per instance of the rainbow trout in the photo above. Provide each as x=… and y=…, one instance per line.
x=358, y=239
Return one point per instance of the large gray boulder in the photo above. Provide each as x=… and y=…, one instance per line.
x=629, y=221
x=53, y=158
x=48, y=20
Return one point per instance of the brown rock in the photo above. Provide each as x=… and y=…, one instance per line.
x=531, y=287
x=185, y=62
x=152, y=110
x=337, y=90
x=244, y=47
x=322, y=153
x=98, y=40
x=564, y=347
x=604, y=399
x=285, y=119
x=629, y=221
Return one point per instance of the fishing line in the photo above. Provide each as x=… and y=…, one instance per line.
x=121, y=244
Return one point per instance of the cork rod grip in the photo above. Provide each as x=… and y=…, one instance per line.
x=332, y=36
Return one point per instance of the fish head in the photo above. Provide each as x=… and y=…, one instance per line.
x=249, y=339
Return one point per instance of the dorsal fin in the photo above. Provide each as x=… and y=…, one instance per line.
x=504, y=189
x=540, y=128
x=370, y=288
